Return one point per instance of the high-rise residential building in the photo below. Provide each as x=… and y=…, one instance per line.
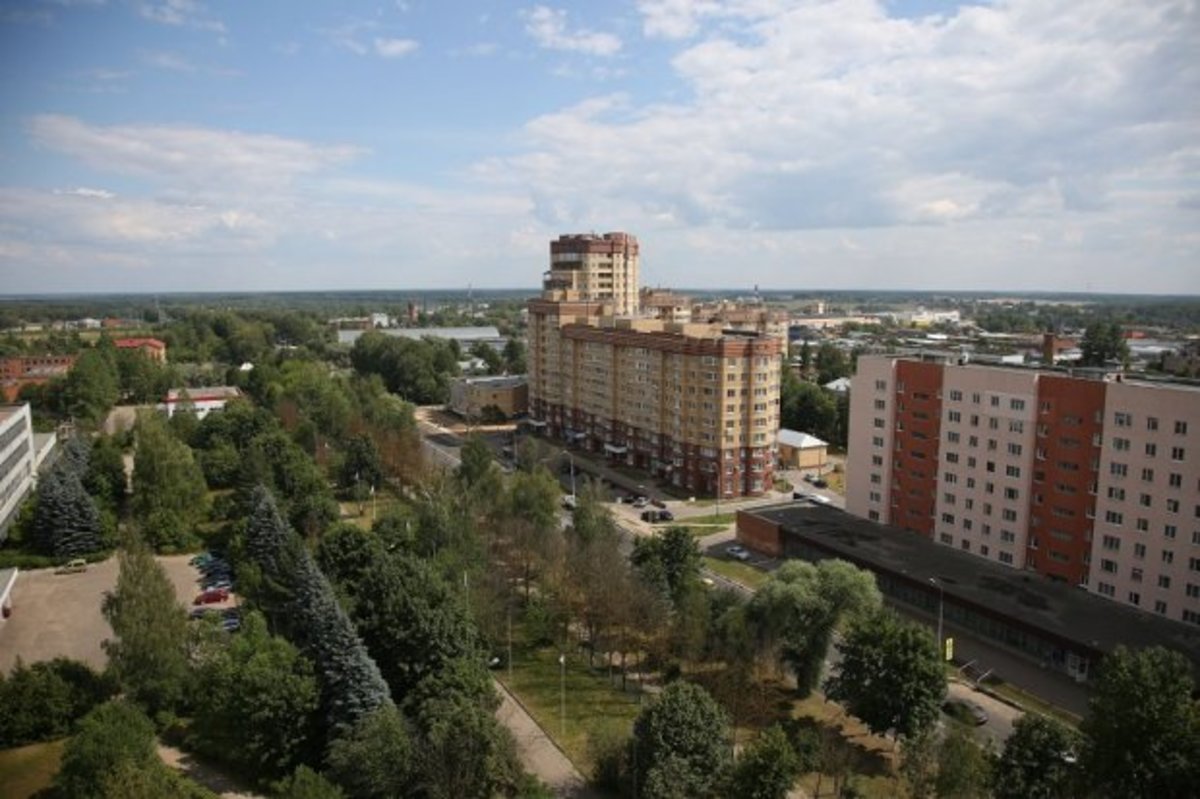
x=692, y=403
x=596, y=267
x=1086, y=477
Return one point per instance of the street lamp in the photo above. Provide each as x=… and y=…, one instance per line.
x=941, y=605
x=562, y=695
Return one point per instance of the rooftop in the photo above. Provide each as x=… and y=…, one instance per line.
x=495, y=381
x=799, y=440
x=1065, y=611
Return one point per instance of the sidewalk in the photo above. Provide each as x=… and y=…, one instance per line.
x=538, y=754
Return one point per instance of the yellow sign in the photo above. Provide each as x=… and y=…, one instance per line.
x=949, y=649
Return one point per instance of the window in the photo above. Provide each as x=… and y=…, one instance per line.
x=879, y=423
x=1121, y=444
x=881, y=385
x=983, y=550
x=975, y=399
x=994, y=400
x=1144, y=500
x=1177, y=453
x=1118, y=469
x=1008, y=536
x=1006, y=557
x=1147, y=475
x=946, y=538
x=876, y=441
x=956, y=396
x=1175, y=480
x=1152, y=423
x=1016, y=404
x=1168, y=556
x=1121, y=419
x=1117, y=493
x=1016, y=426
x=1012, y=471
x=1108, y=566
x=1113, y=517
x=1172, y=506
x=1191, y=616
x=1181, y=428
x=955, y=416
x=1139, y=551
x=1135, y=598
x=952, y=436
x=1135, y=575
x=1009, y=515
x=1111, y=543
x=1105, y=589
x=1014, y=449
x=1151, y=449
x=1012, y=493
x=1143, y=525
x=1169, y=531
x=1192, y=590
x=1160, y=607
x=1164, y=581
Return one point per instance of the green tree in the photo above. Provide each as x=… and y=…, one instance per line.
x=1103, y=342
x=255, y=700
x=105, y=478
x=964, y=767
x=67, y=523
x=130, y=780
x=375, y=760
x=493, y=362
x=43, y=701
x=680, y=743
x=462, y=750
x=831, y=363
x=669, y=562
x=304, y=783
x=476, y=465
x=1037, y=761
x=361, y=464
x=767, y=768
x=514, y=356
x=890, y=675
x=807, y=407
x=148, y=655
x=1143, y=726
x=170, y=496
x=91, y=387
x=802, y=604
x=111, y=736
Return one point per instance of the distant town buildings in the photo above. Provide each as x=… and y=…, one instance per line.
x=694, y=403
x=18, y=371
x=152, y=348
x=1089, y=478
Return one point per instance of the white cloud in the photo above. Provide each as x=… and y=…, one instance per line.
x=675, y=19
x=173, y=62
x=394, y=48
x=82, y=191
x=548, y=27
x=188, y=156
x=181, y=13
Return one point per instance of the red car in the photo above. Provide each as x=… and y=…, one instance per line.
x=212, y=595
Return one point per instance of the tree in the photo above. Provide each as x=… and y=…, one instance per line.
x=67, y=523
x=475, y=462
x=154, y=780
x=1037, y=761
x=492, y=360
x=890, y=676
x=304, y=783
x=669, y=562
x=112, y=735
x=42, y=701
x=680, y=743
x=1143, y=726
x=807, y=407
x=831, y=363
x=298, y=597
x=767, y=769
x=462, y=750
x=514, y=356
x=361, y=464
x=1103, y=342
x=170, y=496
x=91, y=387
x=802, y=604
x=148, y=656
x=374, y=761
x=964, y=767
x=256, y=697
x=105, y=478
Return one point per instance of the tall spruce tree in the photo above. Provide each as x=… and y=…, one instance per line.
x=302, y=600
x=66, y=520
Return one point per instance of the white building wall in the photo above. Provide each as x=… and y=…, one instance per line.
x=985, y=464
x=868, y=457
x=16, y=462
x=1146, y=545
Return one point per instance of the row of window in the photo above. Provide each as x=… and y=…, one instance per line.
x=1125, y=419
x=1003, y=556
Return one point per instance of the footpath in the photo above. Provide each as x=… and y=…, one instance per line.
x=537, y=752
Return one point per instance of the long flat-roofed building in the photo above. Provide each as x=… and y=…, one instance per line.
x=22, y=454
x=693, y=403
x=1090, y=478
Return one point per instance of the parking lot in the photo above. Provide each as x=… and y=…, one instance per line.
x=59, y=614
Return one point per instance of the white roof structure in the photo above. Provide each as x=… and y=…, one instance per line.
x=798, y=440
x=839, y=386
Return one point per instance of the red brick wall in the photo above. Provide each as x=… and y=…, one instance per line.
x=759, y=534
x=915, y=445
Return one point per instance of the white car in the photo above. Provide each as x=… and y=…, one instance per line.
x=820, y=500
x=738, y=552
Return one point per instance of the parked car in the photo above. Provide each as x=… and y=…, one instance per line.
x=641, y=502
x=820, y=500
x=658, y=503
x=738, y=552
x=808, y=478
x=72, y=566
x=965, y=711
x=211, y=595
x=820, y=482
x=651, y=516
x=666, y=516
x=799, y=495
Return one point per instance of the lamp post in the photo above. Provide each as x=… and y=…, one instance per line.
x=941, y=605
x=562, y=695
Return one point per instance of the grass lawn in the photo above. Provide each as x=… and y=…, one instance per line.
x=712, y=519
x=595, y=706
x=26, y=770
x=1029, y=702
x=869, y=758
x=737, y=571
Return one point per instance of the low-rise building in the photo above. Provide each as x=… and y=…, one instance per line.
x=152, y=348
x=497, y=397
x=19, y=371
x=203, y=401
x=802, y=451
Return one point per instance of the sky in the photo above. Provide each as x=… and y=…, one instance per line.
x=1015, y=145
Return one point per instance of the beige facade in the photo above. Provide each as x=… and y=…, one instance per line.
x=596, y=268
x=1146, y=547
x=472, y=397
x=868, y=472
x=691, y=403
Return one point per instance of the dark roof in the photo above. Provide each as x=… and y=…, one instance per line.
x=1064, y=611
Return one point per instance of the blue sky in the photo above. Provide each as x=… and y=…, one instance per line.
x=164, y=145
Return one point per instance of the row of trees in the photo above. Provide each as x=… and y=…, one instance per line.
x=812, y=409
x=418, y=370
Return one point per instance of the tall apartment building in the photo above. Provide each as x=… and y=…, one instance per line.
x=599, y=268
x=692, y=403
x=1084, y=478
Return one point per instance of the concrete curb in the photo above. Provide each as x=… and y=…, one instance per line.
x=517, y=701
